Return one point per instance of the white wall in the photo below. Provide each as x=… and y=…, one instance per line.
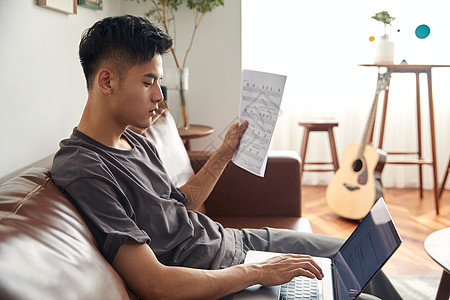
x=216, y=73
x=42, y=88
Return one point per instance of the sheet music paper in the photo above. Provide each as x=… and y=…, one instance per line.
x=261, y=95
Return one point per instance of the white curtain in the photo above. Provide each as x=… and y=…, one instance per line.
x=319, y=45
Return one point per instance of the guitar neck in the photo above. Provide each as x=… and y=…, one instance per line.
x=369, y=126
x=381, y=84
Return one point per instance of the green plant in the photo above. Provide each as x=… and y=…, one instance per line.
x=383, y=17
x=163, y=12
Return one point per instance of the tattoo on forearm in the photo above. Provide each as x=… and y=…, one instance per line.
x=193, y=193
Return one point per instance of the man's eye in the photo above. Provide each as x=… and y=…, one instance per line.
x=148, y=83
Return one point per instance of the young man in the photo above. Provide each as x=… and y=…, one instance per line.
x=144, y=226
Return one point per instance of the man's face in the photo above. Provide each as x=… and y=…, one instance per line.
x=139, y=93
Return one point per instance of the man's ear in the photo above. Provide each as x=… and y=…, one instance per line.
x=104, y=80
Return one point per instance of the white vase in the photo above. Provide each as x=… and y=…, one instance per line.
x=384, y=51
x=177, y=83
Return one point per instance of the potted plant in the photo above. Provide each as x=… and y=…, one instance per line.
x=163, y=12
x=384, y=51
x=385, y=18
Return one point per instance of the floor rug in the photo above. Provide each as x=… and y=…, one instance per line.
x=416, y=287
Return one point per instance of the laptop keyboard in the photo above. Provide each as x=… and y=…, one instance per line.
x=300, y=288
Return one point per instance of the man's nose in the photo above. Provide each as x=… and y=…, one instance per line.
x=159, y=97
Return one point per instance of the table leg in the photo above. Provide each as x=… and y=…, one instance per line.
x=433, y=143
x=443, y=292
x=187, y=144
x=419, y=133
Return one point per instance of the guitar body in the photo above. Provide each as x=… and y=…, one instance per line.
x=357, y=183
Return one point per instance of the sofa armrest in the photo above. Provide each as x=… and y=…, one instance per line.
x=239, y=193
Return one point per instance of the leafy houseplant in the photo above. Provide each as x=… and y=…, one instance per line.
x=163, y=12
x=383, y=17
x=384, y=53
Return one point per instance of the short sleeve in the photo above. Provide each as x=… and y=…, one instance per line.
x=108, y=214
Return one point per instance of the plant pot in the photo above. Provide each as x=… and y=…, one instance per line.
x=384, y=51
x=177, y=82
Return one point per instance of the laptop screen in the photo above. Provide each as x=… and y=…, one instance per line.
x=365, y=251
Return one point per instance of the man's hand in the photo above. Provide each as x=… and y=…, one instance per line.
x=232, y=139
x=280, y=269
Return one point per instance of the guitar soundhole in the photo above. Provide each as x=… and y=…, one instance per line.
x=357, y=165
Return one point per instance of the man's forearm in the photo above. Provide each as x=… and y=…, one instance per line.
x=209, y=284
x=198, y=188
x=148, y=278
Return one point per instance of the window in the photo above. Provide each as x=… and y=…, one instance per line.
x=319, y=46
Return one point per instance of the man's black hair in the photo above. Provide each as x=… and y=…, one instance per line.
x=123, y=41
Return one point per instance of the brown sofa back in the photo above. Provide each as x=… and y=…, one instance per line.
x=275, y=194
x=46, y=249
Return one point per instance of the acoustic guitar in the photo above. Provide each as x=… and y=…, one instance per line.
x=357, y=183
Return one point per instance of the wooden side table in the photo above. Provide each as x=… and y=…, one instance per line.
x=437, y=246
x=194, y=131
x=419, y=160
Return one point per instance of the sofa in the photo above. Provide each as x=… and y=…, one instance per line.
x=48, y=252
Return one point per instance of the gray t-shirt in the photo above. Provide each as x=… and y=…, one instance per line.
x=128, y=195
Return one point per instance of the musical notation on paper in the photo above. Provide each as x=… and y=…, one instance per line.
x=261, y=95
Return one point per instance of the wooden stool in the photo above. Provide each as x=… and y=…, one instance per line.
x=319, y=125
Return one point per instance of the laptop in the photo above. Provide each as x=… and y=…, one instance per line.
x=362, y=255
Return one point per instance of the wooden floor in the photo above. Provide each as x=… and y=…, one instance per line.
x=415, y=219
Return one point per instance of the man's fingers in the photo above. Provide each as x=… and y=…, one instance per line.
x=243, y=126
x=311, y=271
x=280, y=269
x=240, y=130
x=235, y=125
x=237, y=130
x=303, y=263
